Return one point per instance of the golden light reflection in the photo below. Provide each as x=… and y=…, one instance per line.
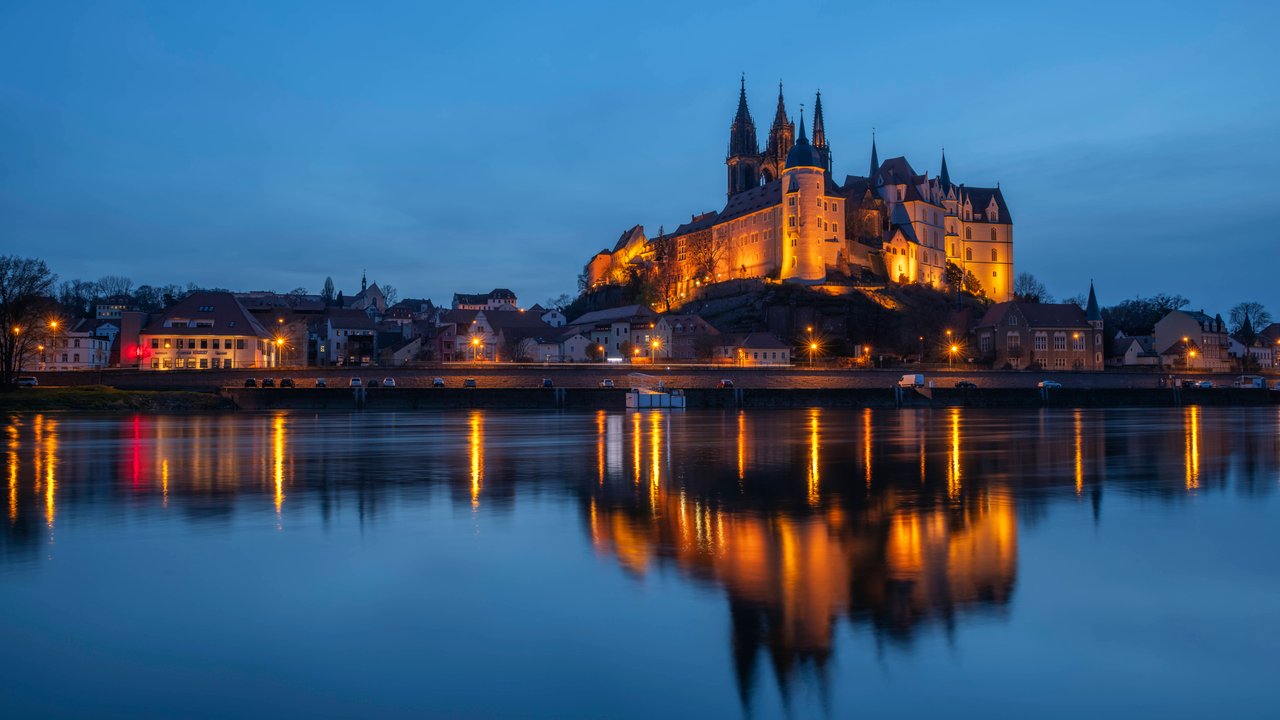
x=13, y=474
x=1079, y=451
x=277, y=460
x=1193, y=447
x=814, y=479
x=600, y=449
x=477, y=457
x=164, y=483
x=50, y=470
x=742, y=448
x=635, y=444
x=953, y=465
x=866, y=442
x=655, y=449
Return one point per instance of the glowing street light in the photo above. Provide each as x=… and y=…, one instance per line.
x=813, y=348
x=475, y=349
x=951, y=361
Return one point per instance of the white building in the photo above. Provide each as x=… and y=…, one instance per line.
x=204, y=331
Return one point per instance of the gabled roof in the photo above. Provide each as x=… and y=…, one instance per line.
x=618, y=314
x=699, y=222
x=1050, y=315
x=979, y=198
x=227, y=315
x=348, y=319
x=628, y=237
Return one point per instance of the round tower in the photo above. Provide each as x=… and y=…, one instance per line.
x=803, y=192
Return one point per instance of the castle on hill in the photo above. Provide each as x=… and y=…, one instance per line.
x=787, y=218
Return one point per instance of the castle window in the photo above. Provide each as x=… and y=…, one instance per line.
x=953, y=248
x=993, y=235
x=791, y=221
x=791, y=201
x=993, y=255
x=968, y=254
x=835, y=227
x=968, y=233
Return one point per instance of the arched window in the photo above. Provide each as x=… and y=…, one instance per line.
x=968, y=233
x=993, y=234
x=993, y=255
x=968, y=254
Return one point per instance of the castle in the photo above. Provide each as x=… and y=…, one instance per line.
x=788, y=219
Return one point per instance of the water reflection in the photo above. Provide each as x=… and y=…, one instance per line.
x=891, y=523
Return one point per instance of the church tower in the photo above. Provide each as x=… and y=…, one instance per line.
x=782, y=135
x=744, y=150
x=820, y=134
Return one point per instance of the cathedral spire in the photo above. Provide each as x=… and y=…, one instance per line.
x=742, y=133
x=820, y=134
x=875, y=159
x=781, y=135
x=1091, y=312
x=944, y=176
x=802, y=139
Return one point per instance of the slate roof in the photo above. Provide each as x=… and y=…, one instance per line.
x=226, y=313
x=749, y=201
x=1052, y=315
x=979, y=198
x=348, y=319
x=700, y=222
x=626, y=312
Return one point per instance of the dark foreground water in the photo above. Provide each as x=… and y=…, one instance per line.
x=713, y=564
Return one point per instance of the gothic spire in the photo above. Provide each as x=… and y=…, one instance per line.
x=801, y=139
x=742, y=133
x=944, y=176
x=781, y=132
x=779, y=115
x=820, y=134
x=875, y=159
x=1091, y=312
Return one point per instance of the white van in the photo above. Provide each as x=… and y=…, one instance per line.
x=911, y=381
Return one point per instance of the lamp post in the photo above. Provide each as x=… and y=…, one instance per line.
x=653, y=352
x=475, y=349
x=922, y=348
x=813, y=347
x=951, y=361
x=279, y=349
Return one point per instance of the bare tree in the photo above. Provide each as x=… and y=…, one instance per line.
x=1028, y=289
x=1257, y=316
x=25, y=287
x=390, y=295
x=327, y=293
x=705, y=255
x=110, y=285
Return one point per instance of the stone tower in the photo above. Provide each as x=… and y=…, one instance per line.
x=804, y=181
x=744, y=151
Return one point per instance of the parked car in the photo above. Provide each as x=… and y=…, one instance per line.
x=546, y=383
x=1048, y=384
x=438, y=382
x=287, y=382
x=321, y=382
x=268, y=382
x=1249, y=381
x=725, y=384
x=1204, y=385
x=250, y=382
x=372, y=382
x=913, y=380
x=388, y=382
x=966, y=385
x=28, y=380
x=606, y=383
x=355, y=382
x=469, y=383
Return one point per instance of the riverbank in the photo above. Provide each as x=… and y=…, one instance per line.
x=102, y=399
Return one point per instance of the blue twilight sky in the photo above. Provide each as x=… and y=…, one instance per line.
x=462, y=146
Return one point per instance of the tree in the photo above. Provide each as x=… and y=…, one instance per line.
x=115, y=286
x=1254, y=312
x=1140, y=315
x=326, y=294
x=390, y=295
x=973, y=285
x=1077, y=299
x=558, y=303
x=665, y=274
x=339, y=301
x=705, y=255
x=953, y=275
x=1027, y=288
x=297, y=292
x=77, y=297
x=25, y=287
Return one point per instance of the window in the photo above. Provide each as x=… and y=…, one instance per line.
x=1042, y=341
x=204, y=364
x=1078, y=344
x=204, y=343
x=968, y=254
x=1060, y=341
x=1059, y=362
x=1013, y=320
x=993, y=255
x=1013, y=341
x=835, y=227
x=155, y=342
x=984, y=343
x=791, y=201
x=791, y=221
x=993, y=237
x=239, y=343
x=968, y=233
x=155, y=363
x=215, y=343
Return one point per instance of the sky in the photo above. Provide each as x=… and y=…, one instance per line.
x=457, y=147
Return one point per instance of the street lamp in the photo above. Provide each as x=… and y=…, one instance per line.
x=475, y=349
x=653, y=354
x=951, y=362
x=813, y=347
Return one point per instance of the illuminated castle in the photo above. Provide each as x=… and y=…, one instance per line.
x=786, y=218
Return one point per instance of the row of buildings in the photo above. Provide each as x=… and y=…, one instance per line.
x=788, y=218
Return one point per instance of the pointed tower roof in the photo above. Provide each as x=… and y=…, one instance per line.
x=944, y=177
x=1091, y=311
x=781, y=131
x=803, y=154
x=819, y=130
x=875, y=159
x=779, y=115
x=742, y=133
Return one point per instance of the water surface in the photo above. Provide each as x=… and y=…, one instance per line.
x=822, y=563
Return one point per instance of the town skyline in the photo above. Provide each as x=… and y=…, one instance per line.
x=385, y=156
